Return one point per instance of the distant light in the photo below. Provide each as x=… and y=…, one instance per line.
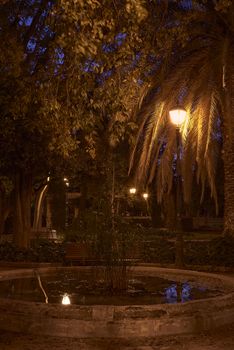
x=65, y=179
x=48, y=178
x=177, y=115
x=132, y=190
x=145, y=195
x=66, y=300
x=67, y=184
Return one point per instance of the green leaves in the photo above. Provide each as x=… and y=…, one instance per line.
x=69, y=80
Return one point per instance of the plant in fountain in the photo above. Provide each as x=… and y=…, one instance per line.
x=120, y=249
x=113, y=243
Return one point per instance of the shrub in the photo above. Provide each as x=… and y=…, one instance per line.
x=160, y=250
x=221, y=251
x=41, y=251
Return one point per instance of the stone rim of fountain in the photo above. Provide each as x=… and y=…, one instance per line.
x=121, y=321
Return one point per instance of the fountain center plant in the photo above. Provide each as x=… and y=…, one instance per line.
x=114, y=245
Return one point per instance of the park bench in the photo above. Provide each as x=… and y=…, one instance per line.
x=127, y=255
x=208, y=223
x=133, y=253
x=79, y=253
x=49, y=234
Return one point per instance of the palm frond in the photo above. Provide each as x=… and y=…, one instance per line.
x=193, y=79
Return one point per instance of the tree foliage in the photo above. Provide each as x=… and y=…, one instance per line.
x=196, y=71
x=69, y=74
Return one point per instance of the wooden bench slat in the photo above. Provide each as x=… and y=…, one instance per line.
x=79, y=252
x=83, y=253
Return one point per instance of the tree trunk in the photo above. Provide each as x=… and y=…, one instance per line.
x=156, y=215
x=40, y=196
x=22, y=209
x=228, y=150
x=4, y=209
x=169, y=211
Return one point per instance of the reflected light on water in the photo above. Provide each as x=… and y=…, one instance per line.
x=66, y=300
x=173, y=295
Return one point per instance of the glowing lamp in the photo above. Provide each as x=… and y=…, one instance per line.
x=145, y=195
x=132, y=190
x=66, y=300
x=177, y=116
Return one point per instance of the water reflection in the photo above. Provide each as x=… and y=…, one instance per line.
x=179, y=293
x=66, y=300
x=84, y=289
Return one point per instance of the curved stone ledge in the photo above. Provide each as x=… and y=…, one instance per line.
x=121, y=321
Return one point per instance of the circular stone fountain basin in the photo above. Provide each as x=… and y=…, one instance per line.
x=121, y=321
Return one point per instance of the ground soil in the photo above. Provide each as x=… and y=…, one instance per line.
x=220, y=339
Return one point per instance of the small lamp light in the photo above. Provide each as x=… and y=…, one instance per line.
x=145, y=195
x=66, y=300
x=132, y=190
x=177, y=116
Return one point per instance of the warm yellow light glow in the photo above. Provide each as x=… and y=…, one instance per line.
x=66, y=300
x=177, y=116
x=132, y=190
x=65, y=179
x=145, y=195
x=67, y=184
x=48, y=178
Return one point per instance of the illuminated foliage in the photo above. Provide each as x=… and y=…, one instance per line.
x=68, y=68
x=196, y=71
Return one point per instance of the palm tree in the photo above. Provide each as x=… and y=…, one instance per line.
x=199, y=74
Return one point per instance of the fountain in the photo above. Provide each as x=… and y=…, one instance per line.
x=119, y=321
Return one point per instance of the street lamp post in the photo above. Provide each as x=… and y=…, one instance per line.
x=177, y=116
x=132, y=190
x=145, y=195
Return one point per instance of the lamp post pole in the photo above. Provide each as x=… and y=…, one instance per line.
x=179, y=242
x=178, y=116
